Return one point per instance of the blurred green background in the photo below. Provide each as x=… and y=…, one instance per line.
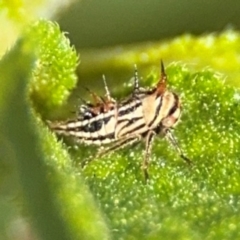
x=106, y=23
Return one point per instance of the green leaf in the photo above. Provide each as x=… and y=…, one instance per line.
x=53, y=76
x=53, y=192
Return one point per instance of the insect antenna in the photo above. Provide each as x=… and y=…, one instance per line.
x=82, y=100
x=148, y=149
x=95, y=97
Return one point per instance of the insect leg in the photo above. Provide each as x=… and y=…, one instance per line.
x=171, y=138
x=149, y=141
x=117, y=145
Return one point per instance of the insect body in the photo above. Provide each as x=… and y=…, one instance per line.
x=144, y=114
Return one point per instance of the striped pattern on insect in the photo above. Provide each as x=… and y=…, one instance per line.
x=141, y=116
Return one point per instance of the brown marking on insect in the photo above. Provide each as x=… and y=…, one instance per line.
x=161, y=85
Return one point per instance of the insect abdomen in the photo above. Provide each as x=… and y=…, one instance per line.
x=98, y=130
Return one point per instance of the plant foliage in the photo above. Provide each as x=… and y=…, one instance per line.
x=108, y=200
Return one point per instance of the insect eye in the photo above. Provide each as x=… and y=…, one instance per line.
x=87, y=115
x=85, y=112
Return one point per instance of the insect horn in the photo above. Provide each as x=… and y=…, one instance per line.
x=107, y=94
x=136, y=81
x=161, y=85
x=107, y=98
